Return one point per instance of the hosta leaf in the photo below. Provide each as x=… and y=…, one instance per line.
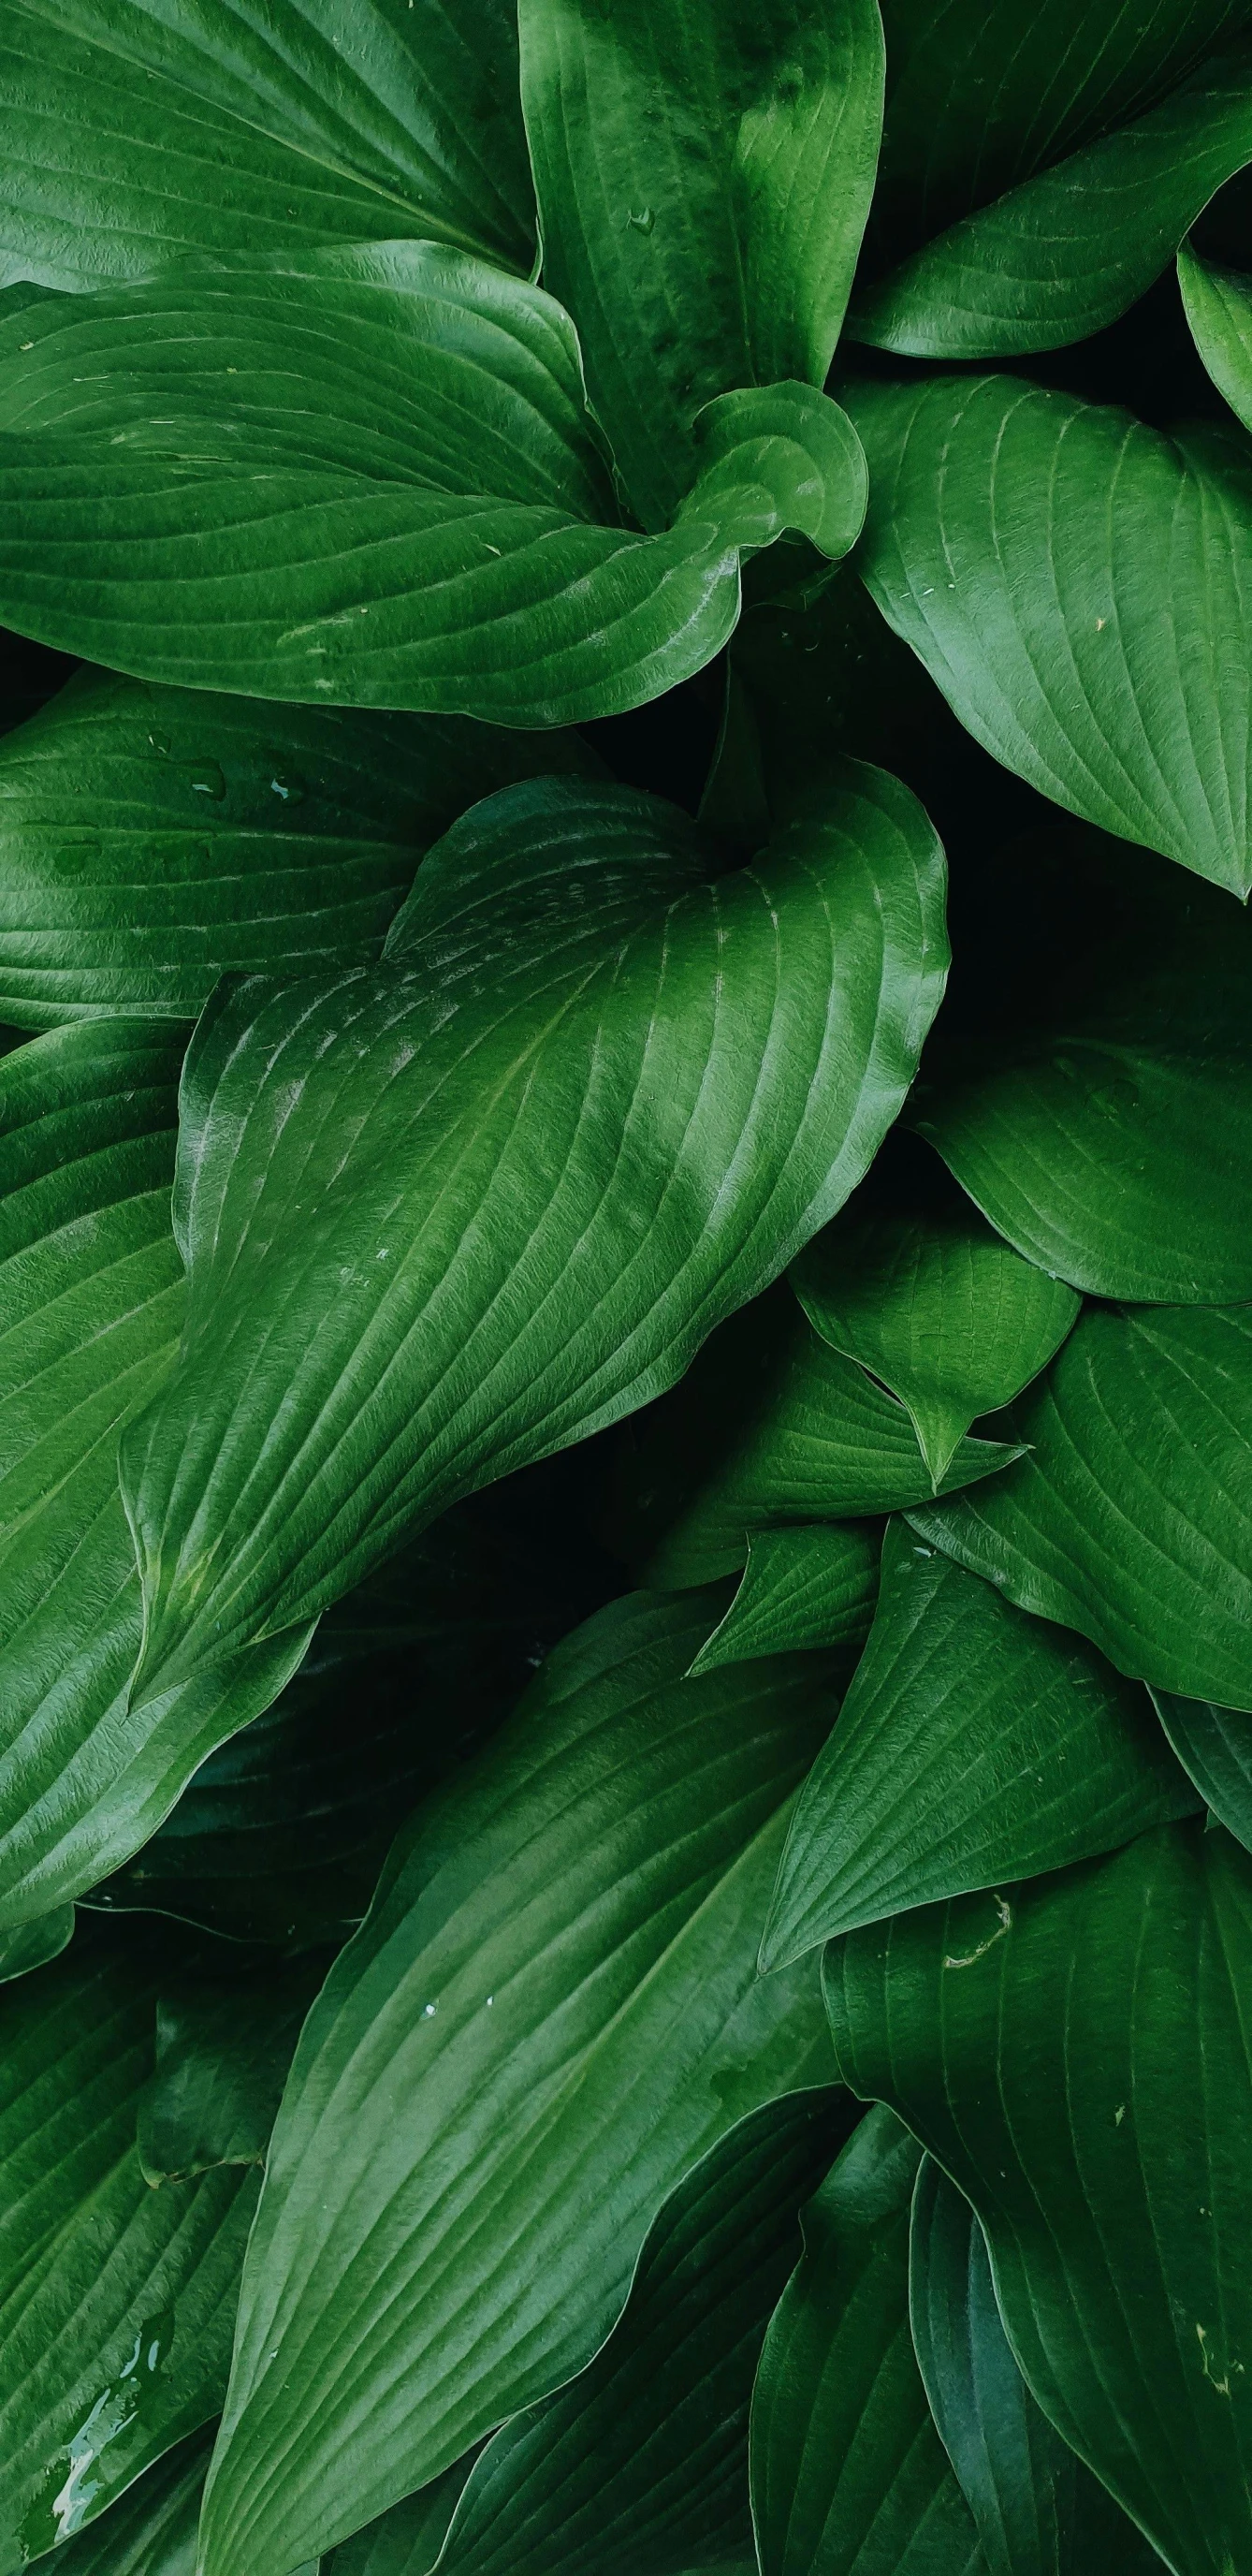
x=644, y=2457
x=849, y=2477
x=30, y=1945
x=151, y=2530
x=936, y=1306
x=139, y=130
x=405, y=2541
x=1080, y=587
x=704, y=171
x=800, y=1587
x=1131, y=1517
x=586, y=1107
x=152, y=839
x=222, y=2054
x=1064, y=255
x=975, y=1747
x=1214, y=1746
x=369, y=477
x=1218, y=304
x=550, y=2013
x=92, y=1301
x=1039, y=2512
x=116, y=2301
x=1081, y=2071
x=771, y=1427
x=1101, y=1114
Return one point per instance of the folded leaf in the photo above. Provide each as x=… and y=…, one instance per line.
x=938, y=1308
x=704, y=170
x=849, y=2477
x=551, y=2012
x=644, y=2457
x=1214, y=1746
x=1218, y=304
x=152, y=839
x=222, y=2054
x=116, y=2301
x=368, y=477
x=1080, y=587
x=1131, y=1517
x=31, y=1945
x=975, y=1747
x=800, y=1587
x=92, y=1301
x=139, y=130
x=1081, y=2071
x=587, y=1106
x=151, y=2530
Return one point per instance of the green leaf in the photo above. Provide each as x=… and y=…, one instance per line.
x=936, y=1306
x=222, y=2054
x=1062, y=256
x=558, y=1981
x=1039, y=2512
x=704, y=170
x=1080, y=587
x=30, y=1945
x=801, y=1587
x=140, y=130
x=974, y=1747
x=1131, y=1517
x=591, y=1105
x=643, y=2459
x=405, y=2541
x=1081, y=2071
x=1218, y=306
x=1214, y=1746
x=92, y=1302
x=152, y=839
x=849, y=2477
x=116, y=2301
x=1099, y=1109
x=151, y=2530
x=770, y=1427
x=368, y=477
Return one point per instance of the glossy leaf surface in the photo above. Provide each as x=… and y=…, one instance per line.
x=800, y=1587
x=556, y=1176
x=557, y=1986
x=1218, y=303
x=975, y=1747
x=1214, y=1746
x=1081, y=2071
x=1131, y=1517
x=849, y=2476
x=151, y=2530
x=1026, y=545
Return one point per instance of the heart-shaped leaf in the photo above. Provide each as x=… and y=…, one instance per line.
x=1131, y=1517
x=1080, y=587
x=1214, y=1746
x=151, y=2530
x=369, y=477
x=153, y=839
x=711, y=245
x=116, y=2301
x=587, y=1106
x=92, y=1302
x=975, y=1747
x=140, y=130
x=1080, y=2068
x=1218, y=303
x=800, y=1587
x=550, y=2013
x=849, y=2476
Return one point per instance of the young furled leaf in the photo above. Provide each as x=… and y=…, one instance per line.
x=550, y=2013
x=1080, y=2068
x=801, y=1587
x=589, y=1104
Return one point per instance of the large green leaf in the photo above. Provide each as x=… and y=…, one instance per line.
x=140, y=130
x=116, y=2301
x=643, y=2459
x=1039, y=2512
x=1131, y=1517
x=1062, y=256
x=92, y=1301
x=1098, y=1106
x=152, y=839
x=550, y=2013
x=151, y=2530
x=406, y=2541
x=975, y=1747
x=369, y=477
x=1081, y=2070
x=937, y=1307
x=771, y=1427
x=800, y=1587
x=1218, y=304
x=849, y=2477
x=1081, y=589
x=223, y=2048
x=587, y=1106
x=1214, y=1746
x=704, y=171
